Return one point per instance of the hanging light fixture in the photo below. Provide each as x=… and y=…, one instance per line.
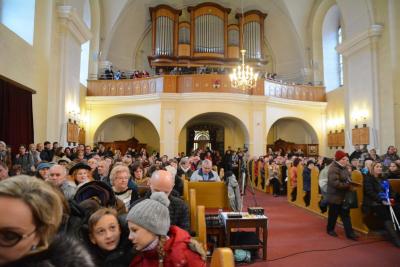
x=243, y=76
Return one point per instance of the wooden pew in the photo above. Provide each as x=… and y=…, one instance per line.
x=210, y=194
x=193, y=210
x=357, y=217
x=395, y=184
x=300, y=193
x=315, y=195
x=201, y=232
x=222, y=257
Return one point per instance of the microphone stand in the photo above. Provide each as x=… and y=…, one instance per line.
x=245, y=181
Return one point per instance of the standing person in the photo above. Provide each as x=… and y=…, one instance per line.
x=159, y=243
x=293, y=179
x=31, y=212
x=307, y=182
x=25, y=159
x=323, y=184
x=338, y=185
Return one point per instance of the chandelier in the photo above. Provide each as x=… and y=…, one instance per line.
x=243, y=76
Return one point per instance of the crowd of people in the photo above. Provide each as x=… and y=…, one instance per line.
x=127, y=209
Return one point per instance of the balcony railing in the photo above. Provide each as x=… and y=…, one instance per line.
x=198, y=83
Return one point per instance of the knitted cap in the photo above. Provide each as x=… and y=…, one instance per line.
x=152, y=214
x=340, y=154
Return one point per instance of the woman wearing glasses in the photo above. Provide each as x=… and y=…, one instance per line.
x=30, y=214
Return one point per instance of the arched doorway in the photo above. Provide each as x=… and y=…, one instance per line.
x=123, y=127
x=293, y=135
x=215, y=130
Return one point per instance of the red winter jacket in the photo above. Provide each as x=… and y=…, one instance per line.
x=177, y=252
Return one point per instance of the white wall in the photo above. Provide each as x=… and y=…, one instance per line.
x=125, y=127
x=291, y=130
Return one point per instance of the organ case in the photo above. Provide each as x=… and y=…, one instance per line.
x=206, y=39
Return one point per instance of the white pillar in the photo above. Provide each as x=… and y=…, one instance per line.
x=64, y=84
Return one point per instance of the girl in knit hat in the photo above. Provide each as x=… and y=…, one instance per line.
x=160, y=243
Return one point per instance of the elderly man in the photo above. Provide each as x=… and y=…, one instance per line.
x=102, y=173
x=58, y=177
x=205, y=174
x=162, y=181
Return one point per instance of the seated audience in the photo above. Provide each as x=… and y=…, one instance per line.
x=80, y=173
x=205, y=173
x=394, y=171
x=25, y=160
x=42, y=170
x=119, y=178
x=160, y=243
x=30, y=214
x=58, y=177
x=3, y=171
x=162, y=181
x=107, y=239
x=378, y=196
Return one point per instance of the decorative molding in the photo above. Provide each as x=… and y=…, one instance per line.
x=363, y=39
x=71, y=20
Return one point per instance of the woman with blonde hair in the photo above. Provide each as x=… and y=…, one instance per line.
x=119, y=178
x=31, y=212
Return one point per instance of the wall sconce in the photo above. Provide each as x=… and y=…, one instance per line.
x=360, y=116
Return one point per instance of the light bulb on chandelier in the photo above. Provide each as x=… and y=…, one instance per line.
x=243, y=76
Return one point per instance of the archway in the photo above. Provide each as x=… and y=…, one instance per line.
x=292, y=134
x=216, y=130
x=123, y=127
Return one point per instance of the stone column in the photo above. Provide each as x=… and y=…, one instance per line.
x=64, y=85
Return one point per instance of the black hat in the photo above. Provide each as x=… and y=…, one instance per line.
x=98, y=191
x=79, y=166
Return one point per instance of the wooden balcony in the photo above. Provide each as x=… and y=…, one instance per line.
x=200, y=83
x=296, y=92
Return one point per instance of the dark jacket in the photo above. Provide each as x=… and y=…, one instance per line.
x=63, y=251
x=372, y=187
x=306, y=179
x=393, y=175
x=178, y=211
x=338, y=183
x=121, y=256
x=178, y=252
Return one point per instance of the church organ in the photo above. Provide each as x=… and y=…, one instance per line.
x=206, y=39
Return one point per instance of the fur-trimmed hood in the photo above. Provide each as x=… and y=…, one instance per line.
x=63, y=252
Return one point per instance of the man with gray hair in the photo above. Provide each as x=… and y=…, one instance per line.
x=58, y=177
x=205, y=174
x=162, y=181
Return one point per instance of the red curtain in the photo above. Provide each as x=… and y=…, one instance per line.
x=16, y=117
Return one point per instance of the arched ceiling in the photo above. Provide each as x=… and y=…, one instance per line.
x=125, y=21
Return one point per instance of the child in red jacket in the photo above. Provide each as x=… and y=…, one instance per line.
x=159, y=243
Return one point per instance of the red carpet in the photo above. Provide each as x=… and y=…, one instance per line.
x=293, y=230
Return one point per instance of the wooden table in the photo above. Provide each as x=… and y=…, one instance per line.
x=248, y=221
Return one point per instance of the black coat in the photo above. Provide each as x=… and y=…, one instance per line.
x=63, y=251
x=372, y=188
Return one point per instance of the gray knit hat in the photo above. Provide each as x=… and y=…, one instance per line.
x=152, y=214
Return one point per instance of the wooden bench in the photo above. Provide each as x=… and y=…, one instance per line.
x=222, y=257
x=208, y=194
x=395, y=184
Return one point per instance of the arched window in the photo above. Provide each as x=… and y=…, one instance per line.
x=85, y=47
x=339, y=35
x=333, y=74
x=19, y=17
